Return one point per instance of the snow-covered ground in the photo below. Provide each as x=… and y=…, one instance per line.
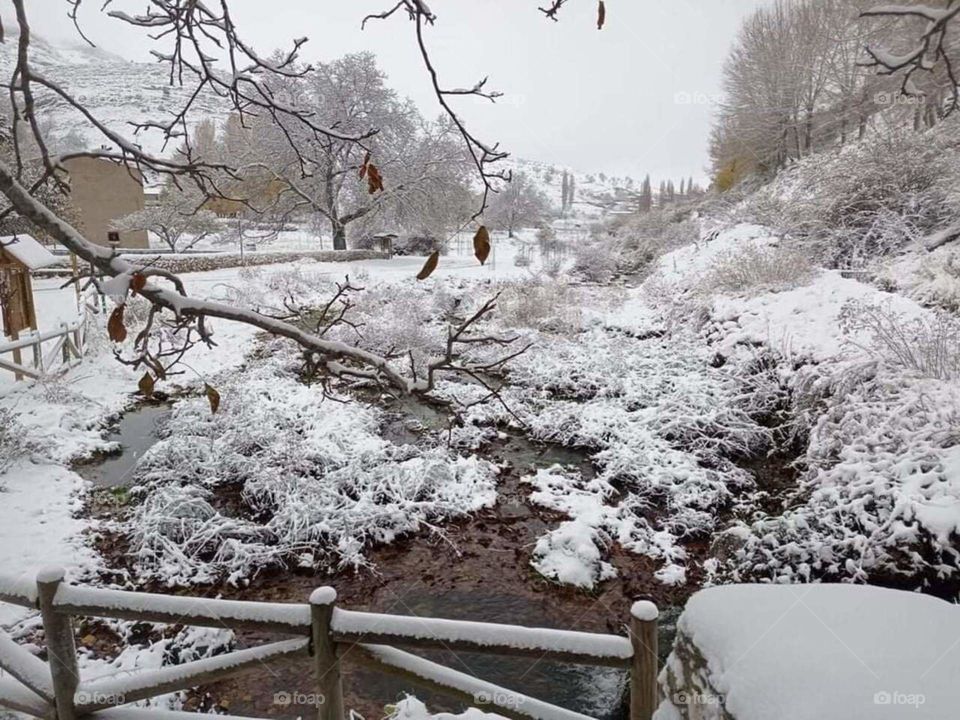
x=667, y=387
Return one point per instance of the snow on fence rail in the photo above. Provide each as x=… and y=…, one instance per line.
x=326, y=634
x=63, y=346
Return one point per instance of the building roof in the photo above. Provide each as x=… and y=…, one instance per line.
x=27, y=251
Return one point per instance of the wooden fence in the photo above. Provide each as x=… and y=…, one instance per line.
x=47, y=351
x=323, y=633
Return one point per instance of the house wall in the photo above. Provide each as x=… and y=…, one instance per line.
x=103, y=191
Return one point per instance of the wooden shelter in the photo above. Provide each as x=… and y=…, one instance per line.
x=19, y=255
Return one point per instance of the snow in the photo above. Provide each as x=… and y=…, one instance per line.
x=28, y=669
x=323, y=596
x=479, y=689
x=818, y=652
x=133, y=684
x=51, y=573
x=482, y=634
x=296, y=616
x=27, y=251
x=644, y=610
x=804, y=321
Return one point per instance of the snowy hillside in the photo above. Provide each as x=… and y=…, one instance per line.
x=119, y=92
x=595, y=193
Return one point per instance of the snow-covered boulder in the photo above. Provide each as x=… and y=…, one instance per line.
x=823, y=652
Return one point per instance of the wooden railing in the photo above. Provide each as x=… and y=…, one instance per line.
x=326, y=634
x=47, y=351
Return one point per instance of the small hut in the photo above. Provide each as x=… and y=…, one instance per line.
x=19, y=255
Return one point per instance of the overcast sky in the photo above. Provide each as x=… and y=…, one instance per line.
x=634, y=98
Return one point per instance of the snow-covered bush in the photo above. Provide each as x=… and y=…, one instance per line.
x=752, y=268
x=641, y=238
x=661, y=425
x=881, y=497
x=927, y=346
x=552, y=306
x=930, y=278
x=15, y=441
x=280, y=476
x=869, y=198
x=596, y=261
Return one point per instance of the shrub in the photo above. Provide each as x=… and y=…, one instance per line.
x=927, y=346
x=753, y=268
x=595, y=262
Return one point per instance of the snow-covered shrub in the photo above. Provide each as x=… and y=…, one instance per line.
x=551, y=306
x=15, y=441
x=869, y=198
x=278, y=476
x=927, y=346
x=595, y=261
x=881, y=497
x=752, y=268
x=641, y=238
x=929, y=278
x=661, y=425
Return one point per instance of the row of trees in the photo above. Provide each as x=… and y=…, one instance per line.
x=428, y=183
x=287, y=171
x=796, y=82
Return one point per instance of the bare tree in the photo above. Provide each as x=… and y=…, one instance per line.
x=521, y=204
x=176, y=220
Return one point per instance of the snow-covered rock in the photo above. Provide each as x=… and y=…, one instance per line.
x=812, y=652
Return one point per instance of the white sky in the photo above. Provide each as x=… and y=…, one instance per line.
x=634, y=98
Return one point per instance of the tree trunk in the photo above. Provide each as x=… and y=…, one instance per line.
x=339, y=236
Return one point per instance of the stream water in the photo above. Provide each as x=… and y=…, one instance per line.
x=136, y=432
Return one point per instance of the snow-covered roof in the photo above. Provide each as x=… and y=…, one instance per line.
x=27, y=251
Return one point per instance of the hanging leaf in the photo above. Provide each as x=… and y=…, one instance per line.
x=429, y=266
x=138, y=282
x=146, y=385
x=213, y=397
x=115, y=327
x=481, y=244
x=601, y=15
x=374, y=179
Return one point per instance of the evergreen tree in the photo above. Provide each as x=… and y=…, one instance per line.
x=646, y=195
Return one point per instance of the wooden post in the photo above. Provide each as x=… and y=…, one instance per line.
x=644, y=695
x=61, y=649
x=324, y=651
x=17, y=356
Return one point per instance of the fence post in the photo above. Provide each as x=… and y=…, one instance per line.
x=61, y=649
x=644, y=695
x=324, y=651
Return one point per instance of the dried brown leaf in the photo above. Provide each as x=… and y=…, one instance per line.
x=213, y=396
x=138, y=282
x=429, y=266
x=146, y=385
x=481, y=244
x=601, y=15
x=374, y=179
x=116, y=330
